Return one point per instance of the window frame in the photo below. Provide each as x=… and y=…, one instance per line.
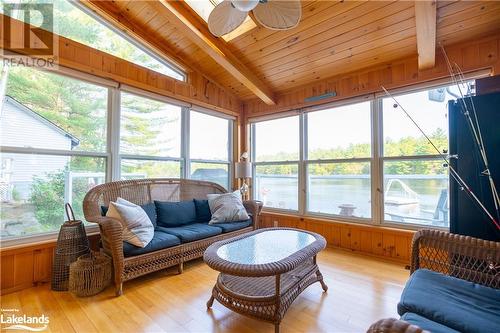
x=187, y=144
x=376, y=160
x=112, y=151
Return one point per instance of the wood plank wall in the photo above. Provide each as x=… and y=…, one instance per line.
x=197, y=90
x=388, y=243
x=22, y=267
x=470, y=56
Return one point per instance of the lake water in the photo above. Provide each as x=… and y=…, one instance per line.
x=327, y=193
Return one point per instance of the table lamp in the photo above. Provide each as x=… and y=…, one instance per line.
x=243, y=170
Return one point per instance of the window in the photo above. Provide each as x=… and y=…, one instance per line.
x=338, y=161
x=210, y=148
x=150, y=138
x=415, y=181
x=53, y=141
x=276, y=154
x=76, y=22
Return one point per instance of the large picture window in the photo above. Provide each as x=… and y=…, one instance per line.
x=210, y=148
x=338, y=161
x=276, y=152
x=53, y=141
x=415, y=181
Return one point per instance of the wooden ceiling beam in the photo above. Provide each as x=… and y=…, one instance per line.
x=216, y=48
x=425, y=19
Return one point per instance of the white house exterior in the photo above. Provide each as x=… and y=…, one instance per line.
x=22, y=127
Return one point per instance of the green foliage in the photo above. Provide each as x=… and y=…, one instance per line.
x=406, y=146
x=47, y=197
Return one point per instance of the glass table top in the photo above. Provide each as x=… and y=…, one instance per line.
x=265, y=247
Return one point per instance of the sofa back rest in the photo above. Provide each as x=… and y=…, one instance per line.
x=143, y=191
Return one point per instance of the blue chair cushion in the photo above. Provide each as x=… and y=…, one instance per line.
x=203, y=214
x=456, y=303
x=426, y=324
x=161, y=240
x=149, y=208
x=233, y=226
x=174, y=214
x=191, y=232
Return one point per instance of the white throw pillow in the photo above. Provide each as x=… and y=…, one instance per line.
x=138, y=229
x=227, y=207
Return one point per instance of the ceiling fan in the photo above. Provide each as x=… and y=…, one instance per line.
x=272, y=14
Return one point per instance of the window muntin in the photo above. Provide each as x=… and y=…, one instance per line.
x=75, y=22
x=209, y=137
x=341, y=132
x=339, y=188
x=149, y=127
x=51, y=111
x=276, y=185
x=35, y=188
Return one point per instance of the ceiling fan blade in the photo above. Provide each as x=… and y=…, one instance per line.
x=224, y=18
x=278, y=14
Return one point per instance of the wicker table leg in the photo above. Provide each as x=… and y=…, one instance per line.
x=320, y=278
x=277, y=328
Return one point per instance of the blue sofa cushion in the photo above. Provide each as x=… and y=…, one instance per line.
x=426, y=324
x=203, y=214
x=191, y=232
x=161, y=240
x=174, y=214
x=233, y=226
x=149, y=208
x=458, y=304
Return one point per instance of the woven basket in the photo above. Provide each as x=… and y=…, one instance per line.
x=72, y=243
x=90, y=274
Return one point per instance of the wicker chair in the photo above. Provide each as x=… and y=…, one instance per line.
x=463, y=257
x=141, y=192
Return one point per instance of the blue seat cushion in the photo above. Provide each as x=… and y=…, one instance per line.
x=426, y=324
x=174, y=214
x=233, y=226
x=203, y=214
x=149, y=208
x=191, y=232
x=161, y=240
x=458, y=304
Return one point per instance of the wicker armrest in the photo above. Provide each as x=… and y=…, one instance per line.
x=253, y=208
x=464, y=257
x=112, y=242
x=392, y=325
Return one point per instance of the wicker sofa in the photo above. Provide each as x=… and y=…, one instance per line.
x=454, y=286
x=144, y=192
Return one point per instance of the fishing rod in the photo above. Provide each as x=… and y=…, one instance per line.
x=463, y=185
x=473, y=125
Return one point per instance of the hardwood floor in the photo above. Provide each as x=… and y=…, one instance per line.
x=361, y=291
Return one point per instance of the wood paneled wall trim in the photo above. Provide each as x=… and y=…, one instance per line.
x=197, y=90
x=388, y=243
x=474, y=55
x=27, y=265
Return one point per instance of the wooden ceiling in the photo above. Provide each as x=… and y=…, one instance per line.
x=333, y=37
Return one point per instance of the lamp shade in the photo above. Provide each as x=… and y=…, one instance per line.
x=243, y=170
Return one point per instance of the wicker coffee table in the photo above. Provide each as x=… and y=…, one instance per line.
x=263, y=271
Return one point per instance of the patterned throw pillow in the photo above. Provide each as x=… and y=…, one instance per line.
x=138, y=229
x=227, y=207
